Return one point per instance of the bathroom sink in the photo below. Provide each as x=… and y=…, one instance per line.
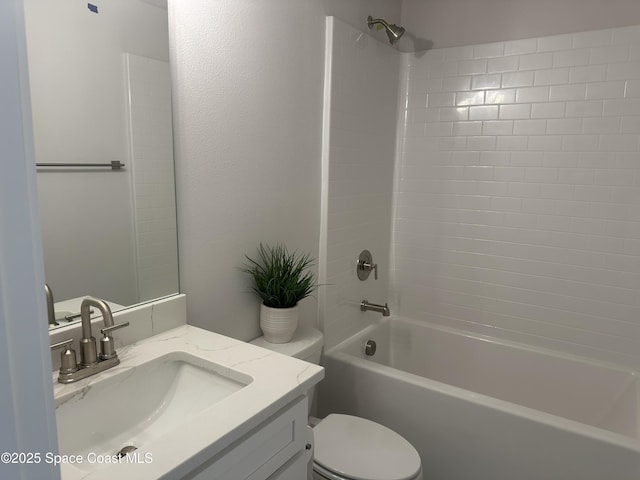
x=140, y=404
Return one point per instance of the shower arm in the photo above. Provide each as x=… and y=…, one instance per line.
x=372, y=21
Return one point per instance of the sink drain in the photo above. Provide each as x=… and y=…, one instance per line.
x=127, y=449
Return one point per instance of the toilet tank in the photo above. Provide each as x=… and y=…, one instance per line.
x=306, y=345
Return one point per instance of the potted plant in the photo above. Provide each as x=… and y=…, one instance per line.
x=281, y=280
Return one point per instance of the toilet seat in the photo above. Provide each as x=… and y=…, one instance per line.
x=353, y=448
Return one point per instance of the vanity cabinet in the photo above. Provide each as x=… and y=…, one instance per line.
x=272, y=451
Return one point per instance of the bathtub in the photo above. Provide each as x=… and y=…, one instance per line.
x=485, y=409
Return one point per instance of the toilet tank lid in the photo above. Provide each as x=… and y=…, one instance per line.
x=304, y=343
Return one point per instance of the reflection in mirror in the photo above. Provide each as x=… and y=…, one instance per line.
x=100, y=92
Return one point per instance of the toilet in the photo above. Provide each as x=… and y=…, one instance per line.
x=348, y=447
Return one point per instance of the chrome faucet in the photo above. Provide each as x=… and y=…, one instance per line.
x=90, y=362
x=374, y=307
x=51, y=313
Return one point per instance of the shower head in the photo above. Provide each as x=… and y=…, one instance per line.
x=394, y=32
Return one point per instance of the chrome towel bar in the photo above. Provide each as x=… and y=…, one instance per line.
x=115, y=165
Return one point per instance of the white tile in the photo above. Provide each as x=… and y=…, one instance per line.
x=467, y=128
x=628, y=125
x=503, y=64
x=596, y=160
x=548, y=110
x=508, y=174
x=465, y=158
x=483, y=113
x=495, y=158
x=517, y=189
x=481, y=143
x=602, y=90
x=453, y=114
x=632, y=89
x=556, y=192
x=471, y=67
x=553, y=76
x=529, y=127
x=512, y=143
x=469, y=98
x=517, y=79
x=626, y=35
x=513, y=112
x=483, y=82
x=478, y=172
x=613, y=177
x=591, y=73
x=519, y=47
x=576, y=176
x=491, y=188
x=570, y=58
x=595, y=125
x=618, y=143
x=579, y=143
x=627, y=106
x=527, y=159
x=545, y=143
x=594, y=193
x=454, y=54
x=567, y=92
x=536, y=61
x=614, y=54
x=590, y=108
x=622, y=71
x=439, y=129
x=564, y=126
x=440, y=100
x=532, y=94
x=423, y=115
x=497, y=127
x=501, y=96
x=541, y=206
x=456, y=84
x=560, y=159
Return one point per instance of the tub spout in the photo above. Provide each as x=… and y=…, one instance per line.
x=374, y=307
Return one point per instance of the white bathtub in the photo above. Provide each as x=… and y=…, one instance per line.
x=482, y=409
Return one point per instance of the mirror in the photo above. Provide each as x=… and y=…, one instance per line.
x=100, y=92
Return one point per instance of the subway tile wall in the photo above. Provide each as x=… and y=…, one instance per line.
x=518, y=198
x=358, y=164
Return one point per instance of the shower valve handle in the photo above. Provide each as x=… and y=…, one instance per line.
x=368, y=267
x=365, y=265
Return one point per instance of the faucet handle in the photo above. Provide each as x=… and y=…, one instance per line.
x=68, y=363
x=365, y=264
x=107, y=349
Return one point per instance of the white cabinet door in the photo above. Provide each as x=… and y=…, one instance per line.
x=257, y=455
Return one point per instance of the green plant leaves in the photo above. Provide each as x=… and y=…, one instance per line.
x=281, y=279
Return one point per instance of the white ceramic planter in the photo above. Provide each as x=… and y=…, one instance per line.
x=278, y=324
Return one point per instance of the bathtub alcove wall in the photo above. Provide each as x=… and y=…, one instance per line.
x=514, y=208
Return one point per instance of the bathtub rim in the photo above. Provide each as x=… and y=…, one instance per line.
x=548, y=419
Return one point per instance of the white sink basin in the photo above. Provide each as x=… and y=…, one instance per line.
x=140, y=404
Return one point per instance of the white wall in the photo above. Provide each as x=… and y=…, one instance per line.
x=518, y=205
x=447, y=23
x=27, y=418
x=361, y=96
x=248, y=83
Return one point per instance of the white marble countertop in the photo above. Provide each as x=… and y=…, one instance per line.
x=277, y=381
